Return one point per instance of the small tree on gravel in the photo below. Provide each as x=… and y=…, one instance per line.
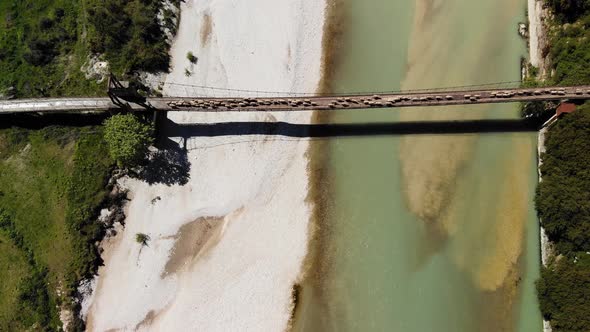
x=192, y=58
x=128, y=139
x=142, y=238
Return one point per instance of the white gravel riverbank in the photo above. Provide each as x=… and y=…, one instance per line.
x=227, y=247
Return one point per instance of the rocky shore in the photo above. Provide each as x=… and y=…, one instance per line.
x=537, y=37
x=538, y=45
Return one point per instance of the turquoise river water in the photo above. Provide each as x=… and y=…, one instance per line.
x=425, y=232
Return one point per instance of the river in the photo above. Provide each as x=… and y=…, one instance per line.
x=424, y=232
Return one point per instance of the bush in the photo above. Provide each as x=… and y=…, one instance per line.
x=41, y=52
x=128, y=139
x=34, y=303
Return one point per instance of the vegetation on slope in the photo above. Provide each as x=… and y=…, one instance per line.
x=40, y=48
x=563, y=198
x=564, y=291
x=129, y=34
x=563, y=204
x=52, y=180
x=51, y=183
x=569, y=48
x=44, y=43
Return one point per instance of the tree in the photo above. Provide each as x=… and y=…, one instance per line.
x=128, y=139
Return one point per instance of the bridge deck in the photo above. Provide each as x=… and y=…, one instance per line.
x=393, y=100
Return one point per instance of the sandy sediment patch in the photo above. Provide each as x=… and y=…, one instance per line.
x=439, y=172
x=432, y=164
x=193, y=240
x=490, y=243
x=333, y=31
x=428, y=195
x=206, y=29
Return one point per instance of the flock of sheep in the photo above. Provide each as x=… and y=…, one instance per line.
x=352, y=101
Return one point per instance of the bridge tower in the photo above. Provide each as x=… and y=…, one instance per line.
x=121, y=93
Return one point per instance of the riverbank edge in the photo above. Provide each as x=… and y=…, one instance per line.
x=318, y=174
x=537, y=43
x=547, y=251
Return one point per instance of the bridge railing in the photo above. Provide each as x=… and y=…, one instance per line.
x=45, y=104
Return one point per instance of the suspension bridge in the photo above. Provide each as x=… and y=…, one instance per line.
x=121, y=98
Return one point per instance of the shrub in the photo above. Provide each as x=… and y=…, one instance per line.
x=128, y=139
x=33, y=299
x=191, y=57
x=142, y=238
x=41, y=52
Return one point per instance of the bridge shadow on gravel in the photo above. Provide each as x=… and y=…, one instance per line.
x=349, y=130
x=168, y=165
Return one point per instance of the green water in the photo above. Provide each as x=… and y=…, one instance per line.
x=422, y=232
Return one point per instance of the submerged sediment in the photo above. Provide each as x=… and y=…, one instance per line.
x=316, y=264
x=438, y=172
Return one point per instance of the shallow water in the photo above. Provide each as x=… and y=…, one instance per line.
x=426, y=232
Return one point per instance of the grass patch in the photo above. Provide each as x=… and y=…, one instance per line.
x=51, y=182
x=14, y=270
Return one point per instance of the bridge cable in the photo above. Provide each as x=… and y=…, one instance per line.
x=285, y=93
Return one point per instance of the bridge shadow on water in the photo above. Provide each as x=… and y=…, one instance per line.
x=348, y=130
